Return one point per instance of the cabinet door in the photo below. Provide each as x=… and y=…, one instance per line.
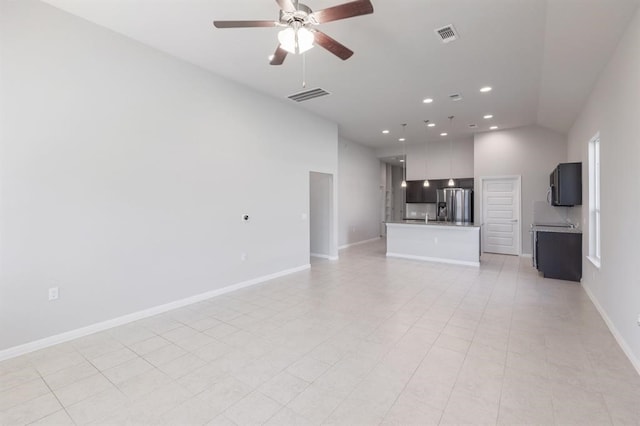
x=414, y=191
x=559, y=255
x=429, y=194
x=569, y=184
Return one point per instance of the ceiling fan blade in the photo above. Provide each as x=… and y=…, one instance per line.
x=343, y=11
x=333, y=46
x=243, y=24
x=286, y=5
x=278, y=56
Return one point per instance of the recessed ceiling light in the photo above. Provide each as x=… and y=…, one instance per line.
x=427, y=101
x=401, y=140
x=488, y=116
x=493, y=127
x=486, y=89
x=385, y=132
x=402, y=161
x=431, y=125
x=444, y=134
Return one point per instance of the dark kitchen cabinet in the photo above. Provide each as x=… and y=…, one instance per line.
x=566, y=185
x=414, y=191
x=466, y=183
x=430, y=193
x=559, y=255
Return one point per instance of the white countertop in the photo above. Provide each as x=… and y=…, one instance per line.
x=542, y=228
x=421, y=222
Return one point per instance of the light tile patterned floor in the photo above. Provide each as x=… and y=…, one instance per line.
x=364, y=340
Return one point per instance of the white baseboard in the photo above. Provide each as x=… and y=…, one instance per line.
x=612, y=328
x=527, y=255
x=135, y=316
x=323, y=256
x=358, y=243
x=434, y=259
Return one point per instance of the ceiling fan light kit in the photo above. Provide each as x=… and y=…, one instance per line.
x=296, y=40
x=299, y=22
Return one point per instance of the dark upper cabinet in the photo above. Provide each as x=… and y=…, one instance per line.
x=416, y=192
x=566, y=185
x=466, y=183
x=429, y=194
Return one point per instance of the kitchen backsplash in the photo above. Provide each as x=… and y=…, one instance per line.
x=543, y=212
x=421, y=210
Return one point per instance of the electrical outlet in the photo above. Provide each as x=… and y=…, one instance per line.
x=53, y=293
x=435, y=240
x=243, y=256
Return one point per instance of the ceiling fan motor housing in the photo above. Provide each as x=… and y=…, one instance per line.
x=302, y=15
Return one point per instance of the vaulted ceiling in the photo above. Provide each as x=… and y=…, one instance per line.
x=541, y=57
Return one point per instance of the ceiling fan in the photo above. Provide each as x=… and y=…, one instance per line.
x=299, y=22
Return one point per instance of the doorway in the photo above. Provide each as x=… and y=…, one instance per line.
x=321, y=215
x=501, y=217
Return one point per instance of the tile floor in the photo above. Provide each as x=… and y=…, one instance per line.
x=364, y=340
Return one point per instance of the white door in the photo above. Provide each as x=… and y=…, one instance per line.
x=501, y=215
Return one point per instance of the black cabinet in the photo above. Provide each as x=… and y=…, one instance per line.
x=430, y=193
x=566, y=185
x=559, y=255
x=414, y=191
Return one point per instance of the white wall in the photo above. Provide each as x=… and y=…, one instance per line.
x=124, y=174
x=531, y=152
x=612, y=110
x=360, y=196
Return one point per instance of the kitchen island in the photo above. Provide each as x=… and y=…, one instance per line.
x=444, y=242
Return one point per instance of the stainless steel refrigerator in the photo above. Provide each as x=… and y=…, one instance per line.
x=455, y=205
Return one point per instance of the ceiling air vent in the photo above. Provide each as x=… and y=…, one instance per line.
x=308, y=94
x=447, y=33
x=455, y=96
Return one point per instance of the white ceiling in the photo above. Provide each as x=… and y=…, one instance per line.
x=541, y=57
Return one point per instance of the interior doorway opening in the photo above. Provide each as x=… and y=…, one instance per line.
x=321, y=212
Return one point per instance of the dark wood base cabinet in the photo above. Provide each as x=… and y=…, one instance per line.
x=559, y=255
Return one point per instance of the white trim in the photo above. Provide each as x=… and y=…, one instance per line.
x=323, y=256
x=595, y=261
x=612, y=328
x=481, y=207
x=104, y=325
x=527, y=255
x=434, y=259
x=358, y=243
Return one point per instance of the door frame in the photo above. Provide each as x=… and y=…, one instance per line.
x=518, y=179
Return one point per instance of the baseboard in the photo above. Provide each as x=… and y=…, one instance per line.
x=612, y=328
x=434, y=259
x=358, y=243
x=527, y=255
x=323, y=256
x=135, y=316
